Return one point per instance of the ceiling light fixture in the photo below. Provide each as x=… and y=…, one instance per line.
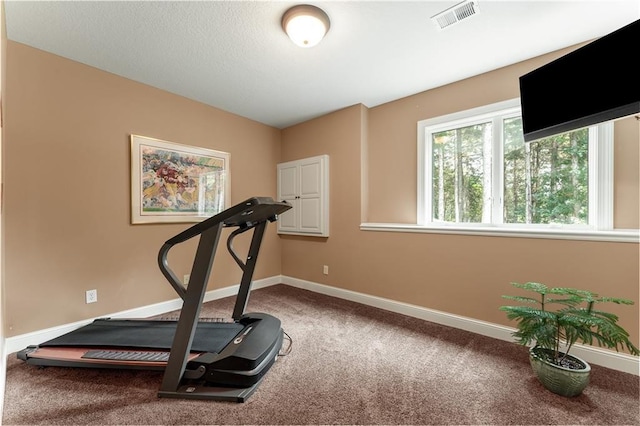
x=305, y=24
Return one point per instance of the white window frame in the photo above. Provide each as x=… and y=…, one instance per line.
x=600, y=171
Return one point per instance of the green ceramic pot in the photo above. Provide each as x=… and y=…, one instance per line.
x=560, y=380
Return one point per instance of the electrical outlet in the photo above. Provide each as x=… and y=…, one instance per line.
x=325, y=269
x=91, y=296
x=185, y=279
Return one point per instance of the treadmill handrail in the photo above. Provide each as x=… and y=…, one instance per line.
x=168, y=273
x=252, y=210
x=244, y=215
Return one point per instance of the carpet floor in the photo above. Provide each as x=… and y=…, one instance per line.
x=349, y=364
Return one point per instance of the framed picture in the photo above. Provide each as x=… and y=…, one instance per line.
x=171, y=182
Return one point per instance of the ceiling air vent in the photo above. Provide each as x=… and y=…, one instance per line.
x=456, y=13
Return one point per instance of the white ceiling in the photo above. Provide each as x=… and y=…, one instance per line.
x=234, y=55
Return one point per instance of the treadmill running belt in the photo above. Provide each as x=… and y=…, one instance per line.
x=146, y=334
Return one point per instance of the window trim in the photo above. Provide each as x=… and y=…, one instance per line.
x=600, y=173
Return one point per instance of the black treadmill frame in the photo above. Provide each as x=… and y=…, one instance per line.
x=179, y=381
x=250, y=214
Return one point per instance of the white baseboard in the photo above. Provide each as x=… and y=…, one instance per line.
x=606, y=358
x=17, y=343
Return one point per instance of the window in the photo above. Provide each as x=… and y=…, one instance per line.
x=476, y=170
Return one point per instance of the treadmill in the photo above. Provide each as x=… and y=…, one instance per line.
x=202, y=359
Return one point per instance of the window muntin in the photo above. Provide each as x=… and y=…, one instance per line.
x=473, y=170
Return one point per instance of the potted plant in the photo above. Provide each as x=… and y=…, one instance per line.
x=554, y=319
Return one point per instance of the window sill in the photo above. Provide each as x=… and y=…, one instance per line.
x=618, y=236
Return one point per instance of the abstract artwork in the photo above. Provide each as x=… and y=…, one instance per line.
x=172, y=182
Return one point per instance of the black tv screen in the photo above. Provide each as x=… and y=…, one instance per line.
x=598, y=82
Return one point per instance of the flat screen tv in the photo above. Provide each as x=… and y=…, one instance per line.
x=597, y=82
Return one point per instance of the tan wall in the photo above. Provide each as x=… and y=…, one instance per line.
x=3, y=50
x=67, y=189
x=626, y=173
x=393, y=143
x=339, y=136
x=463, y=275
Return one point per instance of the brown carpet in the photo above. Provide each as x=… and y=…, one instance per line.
x=349, y=364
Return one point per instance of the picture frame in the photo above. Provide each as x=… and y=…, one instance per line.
x=177, y=183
